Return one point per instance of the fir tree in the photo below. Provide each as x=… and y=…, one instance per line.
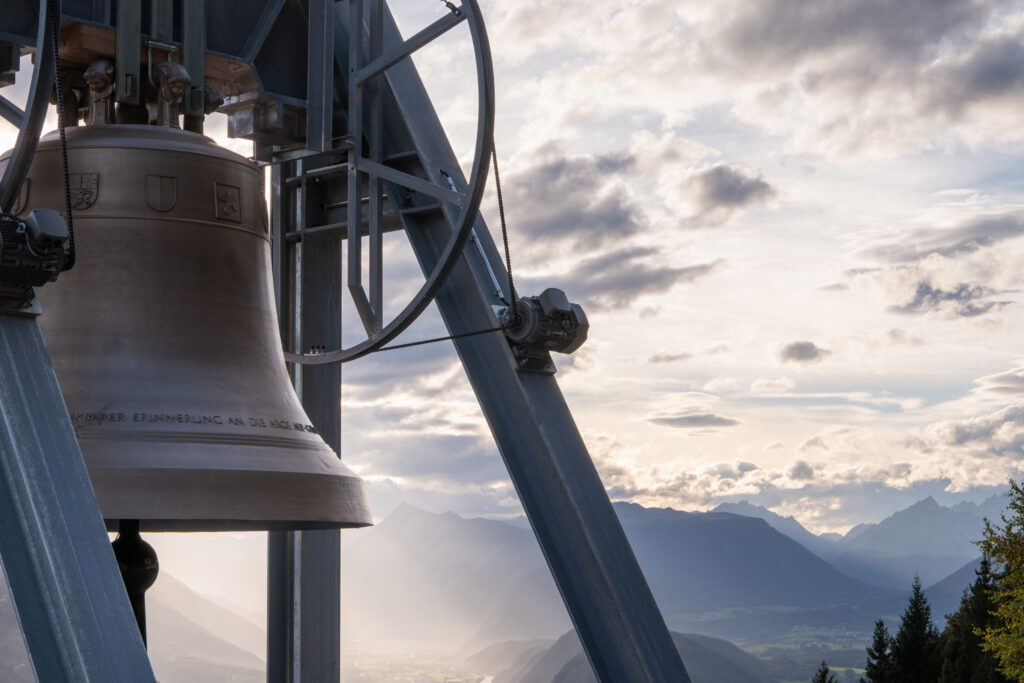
x=879, y=667
x=915, y=649
x=823, y=675
x=963, y=660
x=1004, y=547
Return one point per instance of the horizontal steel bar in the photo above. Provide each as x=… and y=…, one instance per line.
x=344, y=203
x=406, y=48
x=339, y=144
x=340, y=229
x=317, y=173
x=410, y=181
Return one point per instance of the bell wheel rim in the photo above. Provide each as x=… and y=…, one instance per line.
x=467, y=202
x=29, y=120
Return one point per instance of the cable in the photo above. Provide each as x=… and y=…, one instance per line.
x=69, y=259
x=508, y=266
x=504, y=234
x=438, y=339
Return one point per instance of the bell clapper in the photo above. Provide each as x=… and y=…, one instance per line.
x=138, y=564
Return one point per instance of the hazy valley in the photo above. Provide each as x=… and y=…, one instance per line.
x=750, y=595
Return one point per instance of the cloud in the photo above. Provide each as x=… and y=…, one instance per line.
x=771, y=385
x=619, y=277
x=582, y=199
x=722, y=190
x=974, y=235
x=835, y=479
x=800, y=471
x=871, y=77
x=896, y=336
x=999, y=433
x=802, y=352
x=950, y=272
x=815, y=443
x=1003, y=384
x=992, y=70
x=693, y=419
x=965, y=301
x=723, y=385
x=587, y=205
x=669, y=357
x=783, y=34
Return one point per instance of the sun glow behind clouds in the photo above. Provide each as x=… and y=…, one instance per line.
x=795, y=247
x=796, y=234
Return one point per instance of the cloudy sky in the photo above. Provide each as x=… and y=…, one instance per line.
x=795, y=227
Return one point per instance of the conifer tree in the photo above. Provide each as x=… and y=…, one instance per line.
x=915, y=649
x=963, y=660
x=879, y=667
x=823, y=675
x=1004, y=547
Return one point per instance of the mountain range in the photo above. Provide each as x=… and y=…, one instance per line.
x=925, y=539
x=707, y=660
x=444, y=580
x=209, y=645
x=443, y=583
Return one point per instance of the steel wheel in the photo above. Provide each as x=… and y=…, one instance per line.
x=30, y=120
x=464, y=204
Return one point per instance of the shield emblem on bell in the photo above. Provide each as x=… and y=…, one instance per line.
x=85, y=188
x=161, y=192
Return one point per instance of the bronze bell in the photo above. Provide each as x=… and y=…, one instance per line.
x=165, y=339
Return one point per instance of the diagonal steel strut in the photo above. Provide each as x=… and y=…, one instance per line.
x=605, y=592
x=67, y=592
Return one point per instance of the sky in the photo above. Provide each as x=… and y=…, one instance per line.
x=794, y=227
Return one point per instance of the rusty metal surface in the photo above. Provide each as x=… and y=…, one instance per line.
x=165, y=340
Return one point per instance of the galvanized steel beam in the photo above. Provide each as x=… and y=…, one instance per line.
x=320, y=76
x=64, y=582
x=128, y=51
x=605, y=592
x=304, y=567
x=193, y=29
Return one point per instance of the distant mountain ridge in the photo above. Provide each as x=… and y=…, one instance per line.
x=443, y=580
x=707, y=660
x=944, y=596
x=446, y=582
x=925, y=539
x=191, y=639
x=819, y=545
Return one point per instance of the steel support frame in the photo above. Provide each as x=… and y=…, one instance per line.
x=128, y=52
x=604, y=589
x=605, y=592
x=320, y=76
x=304, y=567
x=63, y=578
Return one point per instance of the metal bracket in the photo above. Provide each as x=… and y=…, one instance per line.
x=32, y=309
